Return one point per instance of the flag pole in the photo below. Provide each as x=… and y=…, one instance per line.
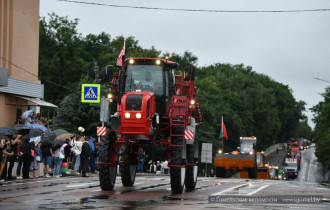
x=222, y=134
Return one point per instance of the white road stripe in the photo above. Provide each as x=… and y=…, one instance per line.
x=77, y=185
x=81, y=185
x=257, y=190
x=229, y=189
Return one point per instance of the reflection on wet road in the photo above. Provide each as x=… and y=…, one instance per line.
x=149, y=192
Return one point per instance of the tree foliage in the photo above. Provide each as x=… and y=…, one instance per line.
x=252, y=104
x=322, y=128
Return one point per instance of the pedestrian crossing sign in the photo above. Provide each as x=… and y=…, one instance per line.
x=90, y=93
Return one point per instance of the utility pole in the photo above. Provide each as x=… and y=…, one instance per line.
x=96, y=73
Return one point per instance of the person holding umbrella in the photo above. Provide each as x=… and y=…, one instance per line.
x=26, y=158
x=14, y=146
x=5, y=151
x=47, y=153
x=34, y=163
x=58, y=158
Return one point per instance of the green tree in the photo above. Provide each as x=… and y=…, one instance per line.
x=252, y=104
x=322, y=128
x=249, y=102
x=59, y=63
x=73, y=113
x=303, y=130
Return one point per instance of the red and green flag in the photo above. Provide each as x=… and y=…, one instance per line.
x=223, y=133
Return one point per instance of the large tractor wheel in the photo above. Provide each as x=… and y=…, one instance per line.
x=107, y=174
x=220, y=172
x=253, y=171
x=177, y=174
x=128, y=167
x=191, y=170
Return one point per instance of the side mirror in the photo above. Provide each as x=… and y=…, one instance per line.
x=108, y=72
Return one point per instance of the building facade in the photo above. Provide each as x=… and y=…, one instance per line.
x=20, y=88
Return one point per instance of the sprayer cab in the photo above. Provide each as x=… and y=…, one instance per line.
x=146, y=86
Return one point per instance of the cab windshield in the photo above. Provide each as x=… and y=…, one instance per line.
x=292, y=165
x=145, y=78
x=246, y=146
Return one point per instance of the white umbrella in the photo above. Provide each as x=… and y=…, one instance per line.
x=27, y=114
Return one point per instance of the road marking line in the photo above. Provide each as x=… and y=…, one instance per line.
x=257, y=190
x=77, y=185
x=80, y=185
x=229, y=189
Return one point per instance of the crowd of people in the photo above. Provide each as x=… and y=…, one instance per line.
x=79, y=152
x=77, y=156
x=203, y=173
x=156, y=167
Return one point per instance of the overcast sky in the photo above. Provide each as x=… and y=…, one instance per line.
x=291, y=48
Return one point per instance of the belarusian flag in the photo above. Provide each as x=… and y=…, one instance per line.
x=120, y=57
x=223, y=133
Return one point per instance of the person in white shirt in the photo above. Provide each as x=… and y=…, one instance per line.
x=77, y=151
x=165, y=167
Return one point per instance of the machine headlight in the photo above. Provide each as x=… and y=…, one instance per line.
x=138, y=115
x=157, y=62
x=109, y=95
x=251, y=153
x=219, y=151
x=192, y=102
x=127, y=115
x=131, y=61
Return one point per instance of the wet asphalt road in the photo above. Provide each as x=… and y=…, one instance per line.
x=149, y=192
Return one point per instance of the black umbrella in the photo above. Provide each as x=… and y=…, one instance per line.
x=57, y=144
x=47, y=138
x=1, y=135
x=20, y=129
x=7, y=131
x=34, y=132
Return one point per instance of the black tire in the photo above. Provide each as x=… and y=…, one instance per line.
x=253, y=171
x=107, y=174
x=127, y=170
x=220, y=172
x=177, y=174
x=191, y=170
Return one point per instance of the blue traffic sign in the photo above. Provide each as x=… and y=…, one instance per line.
x=90, y=93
